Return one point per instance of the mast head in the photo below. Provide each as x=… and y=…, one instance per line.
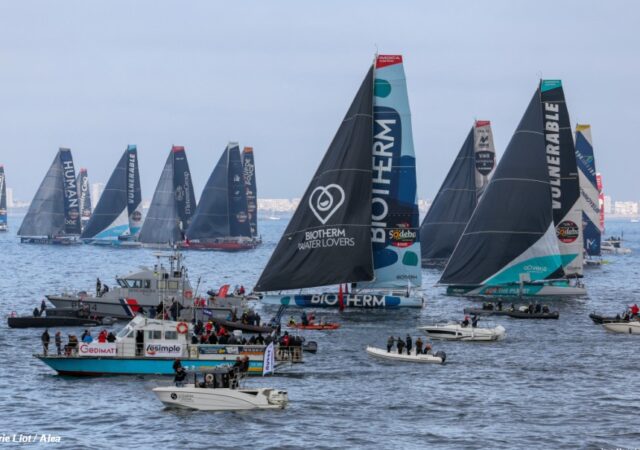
x=177, y=148
x=131, y=147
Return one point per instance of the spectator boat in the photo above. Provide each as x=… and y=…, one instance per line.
x=437, y=358
x=631, y=327
x=454, y=331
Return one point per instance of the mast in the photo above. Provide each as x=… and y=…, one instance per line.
x=3, y=199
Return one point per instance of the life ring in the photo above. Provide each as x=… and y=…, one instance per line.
x=182, y=328
x=188, y=294
x=208, y=378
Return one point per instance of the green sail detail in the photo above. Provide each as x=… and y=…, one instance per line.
x=382, y=88
x=547, y=85
x=410, y=259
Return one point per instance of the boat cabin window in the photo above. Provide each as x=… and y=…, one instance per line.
x=173, y=285
x=121, y=283
x=147, y=284
x=171, y=335
x=154, y=334
x=162, y=284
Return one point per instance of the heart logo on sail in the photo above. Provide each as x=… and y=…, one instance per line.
x=324, y=201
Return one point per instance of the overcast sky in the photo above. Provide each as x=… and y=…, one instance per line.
x=280, y=75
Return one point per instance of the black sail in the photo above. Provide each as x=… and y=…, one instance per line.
x=48, y=209
x=328, y=239
x=84, y=196
x=112, y=201
x=512, y=224
x=222, y=210
x=172, y=204
x=249, y=174
x=451, y=209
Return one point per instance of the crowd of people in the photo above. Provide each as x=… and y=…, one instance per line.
x=421, y=348
x=71, y=347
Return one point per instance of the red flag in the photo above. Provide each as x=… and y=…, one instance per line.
x=222, y=293
x=340, y=299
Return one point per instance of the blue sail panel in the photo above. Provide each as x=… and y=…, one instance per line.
x=394, y=218
x=589, y=193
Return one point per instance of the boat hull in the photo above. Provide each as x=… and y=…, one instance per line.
x=326, y=326
x=97, y=366
x=394, y=356
x=355, y=301
x=229, y=246
x=48, y=322
x=599, y=319
x=455, y=332
x=220, y=399
x=48, y=241
x=622, y=327
x=514, y=314
x=560, y=289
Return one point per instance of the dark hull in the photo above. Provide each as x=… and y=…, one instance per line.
x=48, y=241
x=310, y=347
x=514, y=314
x=599, y=320
x=219, y=246
x=49, y=322
x=229, y=325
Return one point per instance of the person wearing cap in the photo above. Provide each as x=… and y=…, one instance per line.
x=465, y=322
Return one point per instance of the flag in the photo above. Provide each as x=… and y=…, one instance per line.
x=340, y=298
x=222, y=293
x=269, y=361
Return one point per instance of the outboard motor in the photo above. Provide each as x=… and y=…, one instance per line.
x=442, y=355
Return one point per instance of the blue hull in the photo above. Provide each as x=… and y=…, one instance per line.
x=87, y=366
x=356, y=301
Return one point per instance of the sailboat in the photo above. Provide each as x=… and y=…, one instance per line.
x=54, y=214
x=458, y=196
x=249, y=174
x=84, y=197
x=117, y=218
x=221, y=220
x=358, y=221
x=173, y=203
x=512, y=244
x=592, y=234
x=3, y=200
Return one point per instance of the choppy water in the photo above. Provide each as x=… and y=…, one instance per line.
x=550, y=384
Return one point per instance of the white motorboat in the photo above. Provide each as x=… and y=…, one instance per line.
x=632, y=327
x=437, y=358
x=454, y=331
x=614, y=247
x=220, y=391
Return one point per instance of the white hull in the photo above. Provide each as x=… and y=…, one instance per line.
x=394, y=356
x=221, y=399
x=623, y=327
x=456, y=332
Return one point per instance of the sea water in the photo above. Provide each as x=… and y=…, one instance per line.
x=563, y=383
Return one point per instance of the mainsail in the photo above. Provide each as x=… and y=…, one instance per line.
x=249, y=174
x=173, y=202
x=55, y=209
x=458, y=196
x=511, y=232
x=588, y=190
x=84, y=197
x=118, y=210
x=328, y=240
x=3, y=199
x=563, y=176
x=394, y=217
x=222, y=210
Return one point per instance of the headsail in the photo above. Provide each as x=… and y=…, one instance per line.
x=511, y=231
x=55, y=210
x=222, y=211
x=328, y=240
x=588, y=190
x=84, y=197
x=249, y=173
x=173, y=202
x=111, y=216
x=134, y=192
x=394, y=217
x=457, y=198
x=563, y=176
x=3, y=199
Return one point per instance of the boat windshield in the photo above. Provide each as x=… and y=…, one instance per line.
x=124, y=332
